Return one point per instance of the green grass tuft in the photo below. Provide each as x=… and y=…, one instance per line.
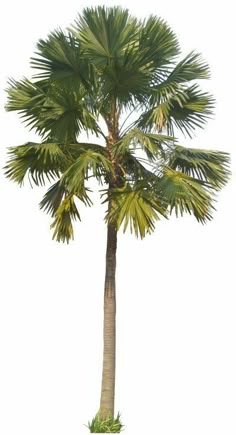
x=108, y=425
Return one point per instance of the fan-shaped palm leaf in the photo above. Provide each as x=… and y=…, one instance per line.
x=60, y=205
x=105, y=33
x=185, y=109
x=136, y=207
x=211, y=166
x=192, y=67
x=74, y=177
x=152, y=144
x=59, y=58
x=41, y=161
x=127, y=53
x=53, y=110
x=158, y=45
x=185, y=194
x=44, y=161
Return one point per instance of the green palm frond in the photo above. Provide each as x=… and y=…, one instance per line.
x=52, y=198
x=136, y=207
x=27, y=98
x=53, y=110
x=185, y=194
x=45, y=161
x=128, y=54
x=75, y=176
x=24, y=93
x=191, y=114
x=207, y=165
x=41, y=161
x=109, y=37
x=59, y=57
x=65, y=114
x=60, y=204
x=152, y=144
x=66, y=213
x=55, y=194
x=158, y=45
x=186, y=110
x=105, y=33
x=192, y=67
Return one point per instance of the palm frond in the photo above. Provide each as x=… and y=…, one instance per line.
x=59, y=58
x=185, y=110
x=45, y=161
x=109, y=38
x=66, y=213
x=52, y=198
x=158, y=44
x=192, y=67
x=152, y=144
x=55, y=194
x=129, y=55
x=89, y=160
x=61, y=205
x=53, y=110
x=105, y=33
x=207, y=165
x=136, y=207
x=185, y=194
x=41, y=161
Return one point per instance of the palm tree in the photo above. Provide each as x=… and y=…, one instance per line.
x=121, y=80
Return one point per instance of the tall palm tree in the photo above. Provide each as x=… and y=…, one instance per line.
x=121, y=80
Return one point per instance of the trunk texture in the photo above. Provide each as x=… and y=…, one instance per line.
x=109, y=332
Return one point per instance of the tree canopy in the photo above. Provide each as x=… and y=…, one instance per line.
x=122, y=80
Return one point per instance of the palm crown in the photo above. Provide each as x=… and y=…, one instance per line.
x=106, y=67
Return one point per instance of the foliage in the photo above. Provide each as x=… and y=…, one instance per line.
x=108, y=425
x=123, y=81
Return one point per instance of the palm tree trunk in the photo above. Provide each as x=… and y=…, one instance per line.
x=109, y=332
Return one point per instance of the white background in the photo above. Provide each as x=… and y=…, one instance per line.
x=176, y=299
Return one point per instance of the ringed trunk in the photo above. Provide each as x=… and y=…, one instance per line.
x=109, y=331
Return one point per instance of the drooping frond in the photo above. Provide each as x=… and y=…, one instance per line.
x=136, y=207
x=44, y=161
x=54, y=196
x=207, y=165
x=61, y=206
x=185, y=194
x=41, y=161
x=66, y=213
